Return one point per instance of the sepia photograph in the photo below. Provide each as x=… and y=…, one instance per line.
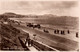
x=39, y=25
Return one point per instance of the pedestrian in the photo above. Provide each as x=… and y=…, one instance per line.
x=27, y=38
x=26, y=41
x=76, y=34
x=61, y=32
x=55, y=31
x=68, y=31
x=31, y=42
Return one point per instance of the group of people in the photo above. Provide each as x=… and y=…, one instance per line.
x=29, y=41
x=61, y=31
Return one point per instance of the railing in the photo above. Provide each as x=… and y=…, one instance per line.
x=43, y=47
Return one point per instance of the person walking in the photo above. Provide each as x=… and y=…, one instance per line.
x=68, y=32
x=27, y=38
x=76, y=34
x=29, y=43
x=26, y=41
x=62, y=32
x=55, y=31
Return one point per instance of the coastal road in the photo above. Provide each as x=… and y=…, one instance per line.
x=57, y=42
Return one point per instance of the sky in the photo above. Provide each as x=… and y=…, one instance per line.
x=61, y=8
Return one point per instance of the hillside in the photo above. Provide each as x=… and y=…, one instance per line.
x=14, y=15
x=45, y=19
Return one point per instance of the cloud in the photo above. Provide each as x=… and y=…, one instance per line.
x=47, y=4
x=40, y=7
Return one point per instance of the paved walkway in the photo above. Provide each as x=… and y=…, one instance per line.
x=31, y=48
